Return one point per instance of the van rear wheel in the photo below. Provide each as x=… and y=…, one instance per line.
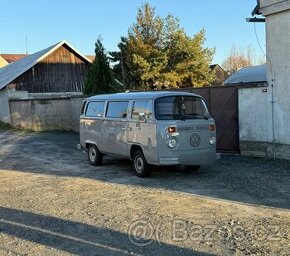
x=141, y=167
x=94, y=155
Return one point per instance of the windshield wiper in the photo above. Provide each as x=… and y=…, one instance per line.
x=175, y=116
x=185, y=116
x=200, y=115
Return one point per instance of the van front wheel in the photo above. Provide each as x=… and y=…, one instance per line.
x=94, y=155
x=141, y=167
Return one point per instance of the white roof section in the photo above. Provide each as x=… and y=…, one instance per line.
x=12, y=71
x=249, y=75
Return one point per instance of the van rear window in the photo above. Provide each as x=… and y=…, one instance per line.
x=117, y=109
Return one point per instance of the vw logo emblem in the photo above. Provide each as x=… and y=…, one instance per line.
x=194, y=140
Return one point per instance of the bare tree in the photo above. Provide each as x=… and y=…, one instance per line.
x=239, y=58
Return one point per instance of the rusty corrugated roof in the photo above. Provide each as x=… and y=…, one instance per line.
x=12, y=57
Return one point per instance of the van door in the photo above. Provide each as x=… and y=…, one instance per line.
x=142, y=129
x=114, y=130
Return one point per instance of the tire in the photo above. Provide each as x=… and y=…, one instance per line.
x=192, y=167
x=141, y=168
x=94, y=155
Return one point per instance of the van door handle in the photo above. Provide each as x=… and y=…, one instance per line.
x=127, y=129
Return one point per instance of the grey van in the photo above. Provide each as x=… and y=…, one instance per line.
x=150, y=128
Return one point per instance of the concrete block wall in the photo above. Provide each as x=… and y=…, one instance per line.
x=4, y=106
x=75, y=107
x=255, y=123
x=46, y=114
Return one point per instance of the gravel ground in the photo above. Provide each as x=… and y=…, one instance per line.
x=52, y=202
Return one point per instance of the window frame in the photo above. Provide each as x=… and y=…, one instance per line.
x=115, y=118
x=94, y=101
x=149, y=107
x=161, y=119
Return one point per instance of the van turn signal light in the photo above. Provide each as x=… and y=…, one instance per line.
x=211, y=127
x=171, y=129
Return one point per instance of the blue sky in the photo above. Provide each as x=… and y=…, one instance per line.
x=80, y=22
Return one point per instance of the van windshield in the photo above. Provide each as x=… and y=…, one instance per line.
x=180, y=107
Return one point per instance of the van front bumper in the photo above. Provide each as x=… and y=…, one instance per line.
x=200, y=157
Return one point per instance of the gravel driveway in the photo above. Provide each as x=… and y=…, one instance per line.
x=52, y=202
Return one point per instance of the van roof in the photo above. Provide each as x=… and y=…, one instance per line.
x=140, y=95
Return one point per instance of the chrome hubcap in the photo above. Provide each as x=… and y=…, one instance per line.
x=92, y=154
x=139, y=164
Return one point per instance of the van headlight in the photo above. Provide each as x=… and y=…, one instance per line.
x=212, y=139
x=172, y=142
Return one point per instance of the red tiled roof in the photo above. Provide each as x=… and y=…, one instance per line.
x=12, y=57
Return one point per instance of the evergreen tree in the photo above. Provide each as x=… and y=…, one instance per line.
x=100, y=78
x=145, y=47
x=158, y=52
x=189, y=60
x=121, y=69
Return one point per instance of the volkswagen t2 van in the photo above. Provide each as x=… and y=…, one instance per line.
x=150, y=128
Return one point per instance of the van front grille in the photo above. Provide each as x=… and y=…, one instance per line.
x=192, y=128
x=185, y=128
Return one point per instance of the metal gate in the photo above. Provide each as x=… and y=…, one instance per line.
x=223, y=106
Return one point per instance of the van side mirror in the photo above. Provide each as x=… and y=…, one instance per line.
x=207, y=115
x=142, y=117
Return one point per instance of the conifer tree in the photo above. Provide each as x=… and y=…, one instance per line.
x=100, y=78
x=157, y=52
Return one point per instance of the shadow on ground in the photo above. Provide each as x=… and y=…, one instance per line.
x=242, y=179
x=78, y=238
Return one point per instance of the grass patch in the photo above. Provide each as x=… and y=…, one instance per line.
x=5, y=126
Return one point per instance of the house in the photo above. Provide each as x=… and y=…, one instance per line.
x=265, y=112
x=220, y=75
x=58, y=68
x=249, y=76
x=37, y=89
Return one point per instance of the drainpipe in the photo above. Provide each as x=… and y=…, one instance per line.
x=272, y=110
x=255, y=12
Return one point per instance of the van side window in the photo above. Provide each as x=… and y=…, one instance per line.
x=141, y=107
x=95, y=109
x=117, y=109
